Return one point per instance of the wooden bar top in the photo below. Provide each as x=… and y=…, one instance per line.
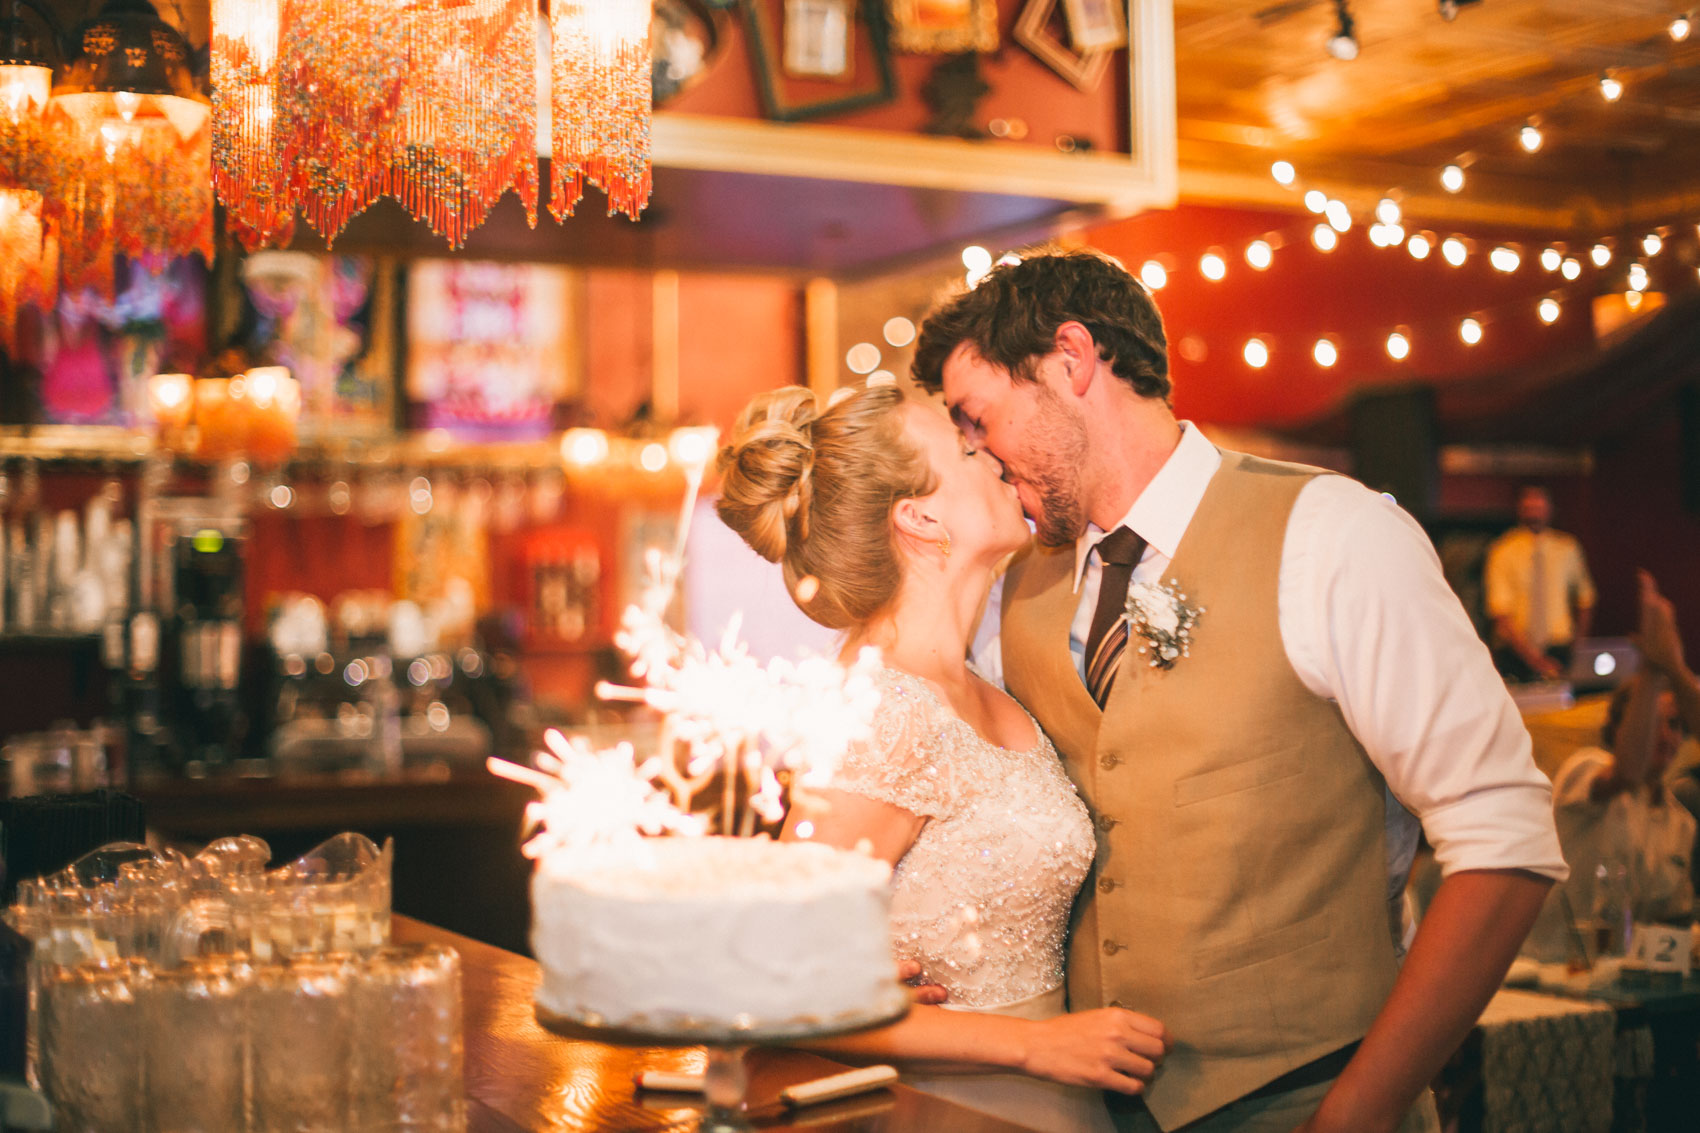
x=520, y=1077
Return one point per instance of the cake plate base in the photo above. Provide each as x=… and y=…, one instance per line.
x=726, y=1080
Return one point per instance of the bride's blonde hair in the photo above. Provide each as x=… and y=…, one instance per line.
x=813, y=489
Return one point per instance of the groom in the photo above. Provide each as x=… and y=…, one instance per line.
x=1248, y=667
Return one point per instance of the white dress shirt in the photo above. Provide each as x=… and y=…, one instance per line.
x=1368, y=621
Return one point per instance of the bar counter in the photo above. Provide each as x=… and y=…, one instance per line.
x=520, y=1077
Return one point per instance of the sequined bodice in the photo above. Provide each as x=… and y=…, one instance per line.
x=982, y=898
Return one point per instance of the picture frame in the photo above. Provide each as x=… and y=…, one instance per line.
x=819, y=37
x=944, y=27
x=1096, y=25
x=871, y=79
x=1084, y=70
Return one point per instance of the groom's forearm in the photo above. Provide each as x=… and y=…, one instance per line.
x=1467, y=940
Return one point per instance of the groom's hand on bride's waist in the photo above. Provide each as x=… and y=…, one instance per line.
x=921, y=990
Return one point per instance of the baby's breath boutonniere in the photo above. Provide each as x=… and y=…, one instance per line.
x=1160, y=616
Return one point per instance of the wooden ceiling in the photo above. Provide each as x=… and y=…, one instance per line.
x=1255, y=84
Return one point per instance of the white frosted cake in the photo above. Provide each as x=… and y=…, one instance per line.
x=717, y=935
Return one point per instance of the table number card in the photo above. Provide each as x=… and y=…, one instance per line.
x=1662, y=948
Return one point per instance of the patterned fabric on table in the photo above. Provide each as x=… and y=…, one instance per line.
x=1546, y=1064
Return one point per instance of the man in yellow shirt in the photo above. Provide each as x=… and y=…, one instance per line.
x=1539, y=594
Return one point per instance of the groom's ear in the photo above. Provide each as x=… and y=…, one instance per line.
x=1079, y=351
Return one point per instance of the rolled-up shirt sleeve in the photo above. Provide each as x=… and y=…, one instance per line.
x=1369, y=622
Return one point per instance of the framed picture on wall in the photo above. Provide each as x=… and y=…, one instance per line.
x=1096, y=25
x=780, y=50
x=1083, y=69
x=944, y=27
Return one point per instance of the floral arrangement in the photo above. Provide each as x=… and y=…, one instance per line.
x=1160, y=617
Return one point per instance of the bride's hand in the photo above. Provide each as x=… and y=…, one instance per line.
x=1110, y=1048
x=921, y=990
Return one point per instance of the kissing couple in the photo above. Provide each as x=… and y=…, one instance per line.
x=1150, y=845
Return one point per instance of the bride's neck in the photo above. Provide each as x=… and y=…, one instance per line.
x=929, y=625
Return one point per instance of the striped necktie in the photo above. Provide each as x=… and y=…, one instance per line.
x=1120, y=552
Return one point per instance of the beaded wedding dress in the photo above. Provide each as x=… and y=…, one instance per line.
x=982, y=898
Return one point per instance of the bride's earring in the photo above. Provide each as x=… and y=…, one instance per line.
x=944, y=545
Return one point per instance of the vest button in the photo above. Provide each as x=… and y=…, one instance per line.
x=1111, y=947
x=1106, y=884
x=1109, y=760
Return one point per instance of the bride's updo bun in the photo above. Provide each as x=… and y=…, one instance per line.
x=812, y=488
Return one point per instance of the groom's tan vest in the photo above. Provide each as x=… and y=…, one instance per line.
x=1239, y=889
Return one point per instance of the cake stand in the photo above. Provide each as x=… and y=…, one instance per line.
x=726, y=1080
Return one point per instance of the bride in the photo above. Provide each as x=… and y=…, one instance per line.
x=890, y=529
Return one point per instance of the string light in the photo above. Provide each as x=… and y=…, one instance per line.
x=1398, y=346
x=1316, y=200
x=1213, y=266
x=1611, y=88
x=1470, y=331
x=1681, y=26
x=653, y=457
x=1325, y=353
x=584, y=447
x=1548, y=309
x=1454, y=251
x=1325, y=238
x=1387, y=211
x=976, y=259
x=1637, y=277
x=1529, y=137
x=1452, y=178
x=1256, y=353
x=862, y=358
x=1572, y=268
x=1339, y=216
x=1259, y=254
x=1652, y=243
x=1551, y=259
x=1505, y=259
x=1601, y=255
x=1283, y=172
x=1153, y=275
x=1419, y=246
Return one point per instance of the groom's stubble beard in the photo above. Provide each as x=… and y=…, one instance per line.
x=1053, y=458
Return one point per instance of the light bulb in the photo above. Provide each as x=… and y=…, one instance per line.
x=1454, y=250
x=653, y=457
x=1529, y=137
x=1387, y=211
x=1256, y=353
x=1324, y=353
x=1213, y=266
x=1259, y=254
x=1419, y=246
x=976, y=259
x=862, y=358
x=1505, y=259
x=1572, y=267
x=1378, y=235
x=1398, y=346
x=1470, y=331
x=1452, y=178
x=1551, y=259
x=584, y=447
x=1339, y=216
x=1681, y=26
x=1283, y=172
x=1600, y=254
x=1325, y=238
x=1637, y=277
x=1652, y=243
x=1611, y=89
x=1153, y=275
x=1548, y=309
x=1316, y=200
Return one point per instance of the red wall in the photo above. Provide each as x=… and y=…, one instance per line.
x=1355, y=295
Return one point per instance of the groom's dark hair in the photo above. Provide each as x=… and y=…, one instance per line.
x=1010, y=319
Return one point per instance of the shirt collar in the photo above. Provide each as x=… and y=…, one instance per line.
x=1165, y=508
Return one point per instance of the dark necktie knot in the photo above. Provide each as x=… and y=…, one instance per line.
x=1121, y=547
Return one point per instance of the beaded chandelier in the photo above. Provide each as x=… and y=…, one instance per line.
x=600, y=103
x=328, y=106
x=29, y=271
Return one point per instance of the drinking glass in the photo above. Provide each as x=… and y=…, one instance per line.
x=90, y=1044
x=197, y=1046
x=300, y=1027
x=407, y=1042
